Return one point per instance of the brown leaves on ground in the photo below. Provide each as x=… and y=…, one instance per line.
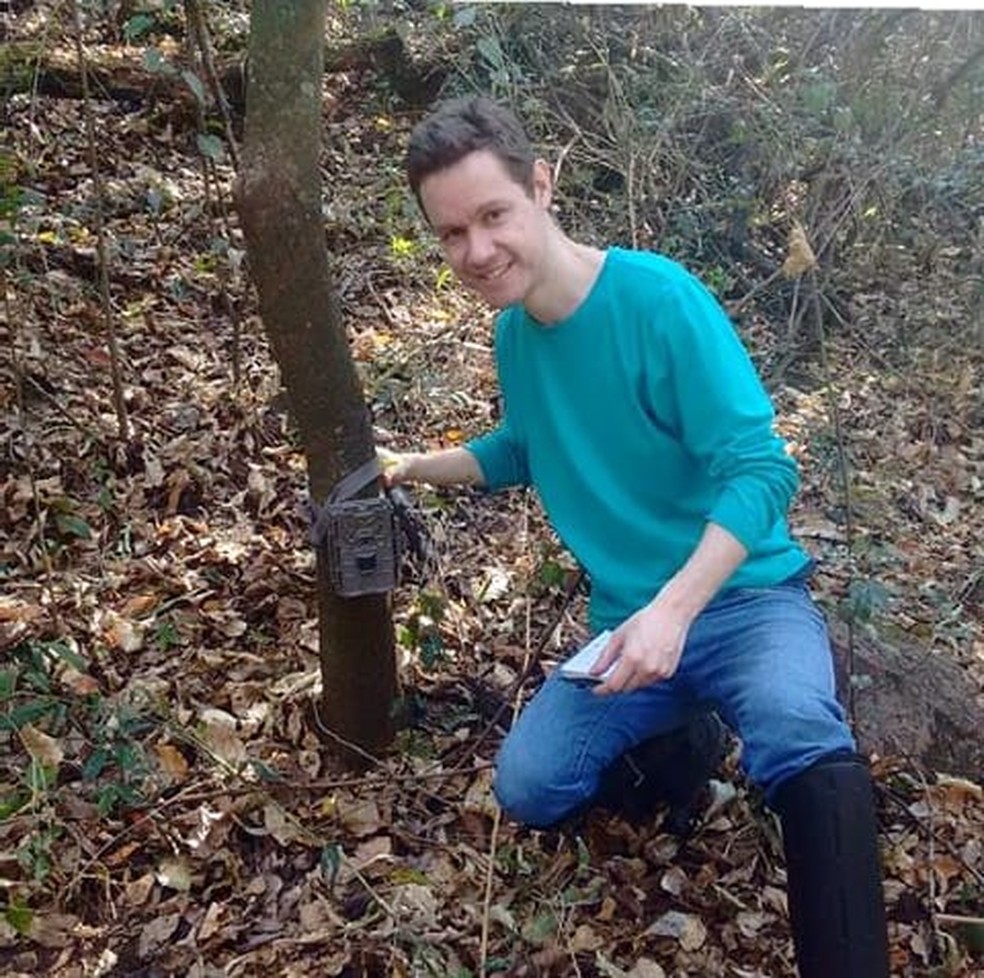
x=166, y=804
x=799, y=256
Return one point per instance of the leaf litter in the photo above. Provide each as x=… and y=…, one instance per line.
x=172, y=810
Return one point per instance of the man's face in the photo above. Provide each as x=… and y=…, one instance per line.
x=492, y=231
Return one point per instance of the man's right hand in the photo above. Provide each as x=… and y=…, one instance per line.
x=395, y=466
x=450, y=467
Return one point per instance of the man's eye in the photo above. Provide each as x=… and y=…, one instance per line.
x=493, y=217
x=450, y=235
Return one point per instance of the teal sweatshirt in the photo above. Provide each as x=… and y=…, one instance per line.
x=639, y=419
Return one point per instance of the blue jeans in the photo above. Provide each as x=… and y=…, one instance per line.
x=760, y=657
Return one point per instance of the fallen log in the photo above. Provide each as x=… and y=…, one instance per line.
x=121, y=73
x=115, y=72
x=912, y=703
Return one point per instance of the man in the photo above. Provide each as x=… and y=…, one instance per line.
x=633, y=409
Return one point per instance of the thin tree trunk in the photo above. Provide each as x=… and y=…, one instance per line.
x=279, y=201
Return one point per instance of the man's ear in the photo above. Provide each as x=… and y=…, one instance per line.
x=542, y=183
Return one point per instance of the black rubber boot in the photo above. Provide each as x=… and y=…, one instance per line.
x=836, y=904
x=670, y=769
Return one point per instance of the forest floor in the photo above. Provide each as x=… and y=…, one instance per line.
x=158, y=639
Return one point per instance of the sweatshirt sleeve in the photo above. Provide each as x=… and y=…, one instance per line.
x=725, y=417
x=501, y=454
x=501, y=457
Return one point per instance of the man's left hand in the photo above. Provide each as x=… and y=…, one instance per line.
x=646, y=647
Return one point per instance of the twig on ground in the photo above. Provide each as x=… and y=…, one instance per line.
x=913, y=766
x=99, y=213
x=844, y=475
x=196, y=16
x=483, y=955
x=517, y=703
x=735, y=306
x=370, y=758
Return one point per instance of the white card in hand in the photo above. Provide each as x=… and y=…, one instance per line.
x=578, y=666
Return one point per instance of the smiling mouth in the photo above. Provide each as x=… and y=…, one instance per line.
x=495, y=274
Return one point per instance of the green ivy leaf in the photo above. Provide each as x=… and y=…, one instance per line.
x=210, y=146
x=265, y=772
x=541, y=928
x=40, y=777
x=19, y=917
x=865, y=599
x=491, y=51
x=464, y=17
x=195, y=84
x=331, y=862
x=94, y=764
x=73, y=526
x=155, y=62
x=431, y=650
x=12, y=804
x=551, y=574
x=26, y=713
x=137, y=26
x=68, y=655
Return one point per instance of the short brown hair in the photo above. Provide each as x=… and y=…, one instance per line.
x=466, y=125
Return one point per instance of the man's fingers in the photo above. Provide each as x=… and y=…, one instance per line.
x=628, y=676
x=392, y=466
x=608, y=655
x=620, y=678
x=620, y=681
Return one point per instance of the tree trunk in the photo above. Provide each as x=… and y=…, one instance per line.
x=279, y=201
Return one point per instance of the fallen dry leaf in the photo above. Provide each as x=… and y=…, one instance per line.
x=121, y=633
x=140, y=604
x=646, y=968
x=79, y=683
x=417, y=904
x=15, y=610
x=155, y=934
x=53, y=930
x=687, y=928
x=674, y=880
x=800, y=257
x=212, y=920
x=586, y=938
x=42, y=747
x=174, y=873
x=172, y=761
x=361, y=817
x=137, y=891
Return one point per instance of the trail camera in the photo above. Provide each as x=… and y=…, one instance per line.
x=360, y=536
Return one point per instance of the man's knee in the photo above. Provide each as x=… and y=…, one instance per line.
x=531, y=792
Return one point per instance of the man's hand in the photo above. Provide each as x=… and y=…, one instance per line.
x=647, y=648
x=650, y=643
x=395, y=466
x=450, y=467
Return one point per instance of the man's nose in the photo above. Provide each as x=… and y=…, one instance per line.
x=481, y=248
